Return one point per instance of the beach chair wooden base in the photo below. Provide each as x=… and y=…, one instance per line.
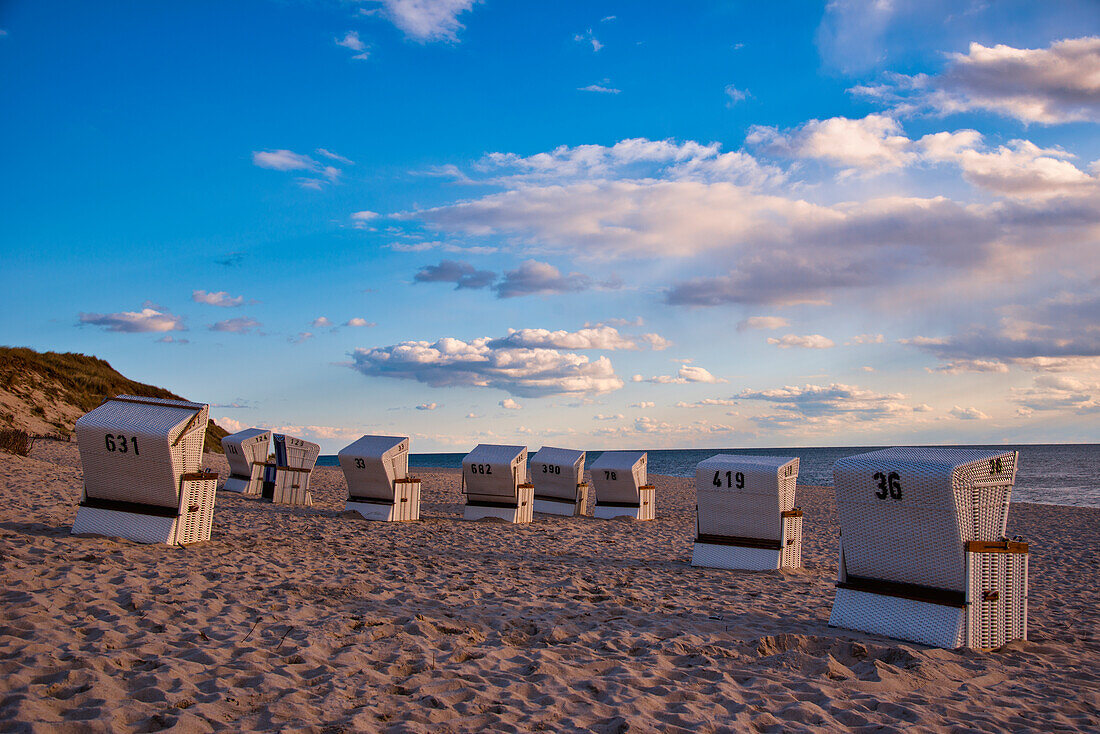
x=744, y=555
x=248, y=486
x=989, y=614
x=563, y=506
x=405, y=507
x=643, y=510
x=519, y=512
x=190, y=523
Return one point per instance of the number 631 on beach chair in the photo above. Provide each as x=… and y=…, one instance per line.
x=141, y=459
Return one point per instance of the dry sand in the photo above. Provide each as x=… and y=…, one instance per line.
x=310, y=620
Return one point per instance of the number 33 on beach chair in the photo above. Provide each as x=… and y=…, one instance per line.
x=141, y=459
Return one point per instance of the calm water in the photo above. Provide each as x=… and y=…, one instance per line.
x=1054, y=474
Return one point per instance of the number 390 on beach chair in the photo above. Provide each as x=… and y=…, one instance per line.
x=619, y=478
x=558, y=476
x=494, y=479
x=246, y=453
x=923, y=552
x=377, y=472
x=746, y=518
x=142, y=478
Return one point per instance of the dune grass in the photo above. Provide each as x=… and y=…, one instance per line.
x=80, y=380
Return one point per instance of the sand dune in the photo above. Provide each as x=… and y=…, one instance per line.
x=313, y=620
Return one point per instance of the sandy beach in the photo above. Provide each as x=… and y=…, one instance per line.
x=313, y=620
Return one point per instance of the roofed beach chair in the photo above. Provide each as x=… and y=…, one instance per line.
x=377, y=472
x=286, y=480
x=619, y=479
x=746, y=518
x=246, y=453
x=142, y=478
x=923, y=552
x=558, y=476
x=494, y=480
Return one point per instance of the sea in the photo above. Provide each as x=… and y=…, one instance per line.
x=1052, y=474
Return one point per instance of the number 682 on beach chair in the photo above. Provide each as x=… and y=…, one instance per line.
x=142, y=479
x=494, y=480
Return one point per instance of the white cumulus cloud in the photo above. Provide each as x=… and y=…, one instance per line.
x=219, y=298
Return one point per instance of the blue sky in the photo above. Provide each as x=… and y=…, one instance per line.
x=602, y=225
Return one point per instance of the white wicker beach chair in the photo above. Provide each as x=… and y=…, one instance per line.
x=246, y=453
x=619, y=479
x=142, y=477
x=558, y=476
x=494, y=480
x=286, y=480
x=923, y=552
x=745, y=513
x=377, y=472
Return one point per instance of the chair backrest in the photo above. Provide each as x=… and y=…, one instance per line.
x=245, y=448
x=372, y=464
x=906, y=514
x=295, y=453
x=494, y=472
x=136, y=449
x=557, y=472
x=617, y=476
x=743, y=496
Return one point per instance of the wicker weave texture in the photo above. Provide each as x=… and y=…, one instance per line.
x=996, y=599
x=646, y=508
x=196, y=510
x=245, y=448
x=734, y=558
x=129, y=525
x=522, y=512
x=792, y=543
x=617, y=476
x=744, y=495
x=566, y=508
x=138, y=451
x=493, y=473
x=250, y=486
x=373, y=464
x=906, y=513
x=405, y=506
x=557, y=472
x=904, y=619
x=294, y=452
x=292, y=488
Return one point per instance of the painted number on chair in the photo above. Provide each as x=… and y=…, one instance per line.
x=889, y=485
x=732, y=479
x=360, y=464
x=481, y=468
x=609, y=475
x=122, y=444
x=551, y=469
